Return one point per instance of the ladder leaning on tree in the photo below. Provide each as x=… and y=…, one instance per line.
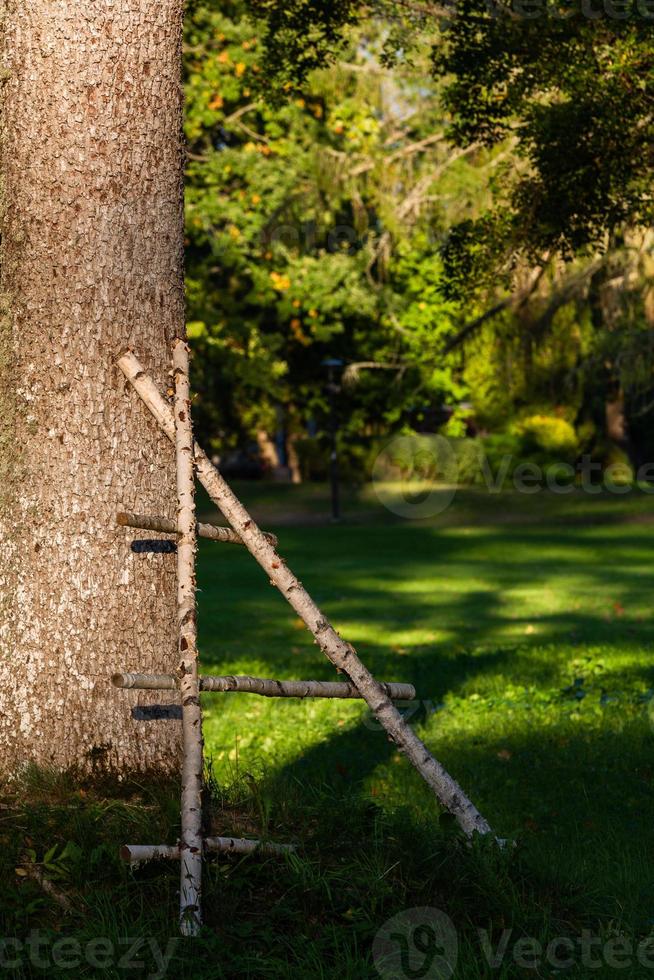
x=191, y=460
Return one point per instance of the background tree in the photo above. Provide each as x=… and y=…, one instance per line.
x=571, y=86
x=312, y=232
x=569, y=92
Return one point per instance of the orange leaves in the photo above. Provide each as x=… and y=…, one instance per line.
x=314, y=107
x=263, y=148
x=280, y=282
x=298, y=333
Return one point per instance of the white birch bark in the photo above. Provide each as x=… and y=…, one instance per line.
x=163, y=525
x=264, y=686
x=192, y=766
x=341, y=653
x=140, y=853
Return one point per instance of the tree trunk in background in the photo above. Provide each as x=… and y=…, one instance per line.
x=293, y=459
x=267, y=451
x=92, y=261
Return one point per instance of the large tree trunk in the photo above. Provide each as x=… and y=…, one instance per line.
x=91, y=263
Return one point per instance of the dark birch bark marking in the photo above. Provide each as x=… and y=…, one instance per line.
x=341, y=653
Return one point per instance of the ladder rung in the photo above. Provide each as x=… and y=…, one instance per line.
x=266, y=687
x=148, y=522
x=146, y=682
x=139, y=853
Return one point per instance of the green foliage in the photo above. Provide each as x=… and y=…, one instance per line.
x=300, y=243
x=302, y=35
x=572, y=89
x=576, y=92
x=551, y=433
x=425, y=318
x=618, y=467
x=334, y=221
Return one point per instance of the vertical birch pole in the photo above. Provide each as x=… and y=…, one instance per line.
x=190, y=909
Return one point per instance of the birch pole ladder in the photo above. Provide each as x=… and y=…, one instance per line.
x=176, y=424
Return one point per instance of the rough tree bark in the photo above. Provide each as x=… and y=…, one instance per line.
x=92, y=242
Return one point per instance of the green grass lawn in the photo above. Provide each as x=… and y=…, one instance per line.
x=525, y=624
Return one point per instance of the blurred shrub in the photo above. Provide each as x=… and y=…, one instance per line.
x=313, y=454
x=550, y=434
x=617, y=467
x=548, y=442
x=469, y=455
x=502, y=452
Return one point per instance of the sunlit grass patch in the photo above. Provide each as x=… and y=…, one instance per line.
x=530, y=646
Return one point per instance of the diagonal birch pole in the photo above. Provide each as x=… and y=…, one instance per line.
x=190, y=846
x=342, y=654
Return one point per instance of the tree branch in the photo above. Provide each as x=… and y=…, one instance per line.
x=515, y=301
